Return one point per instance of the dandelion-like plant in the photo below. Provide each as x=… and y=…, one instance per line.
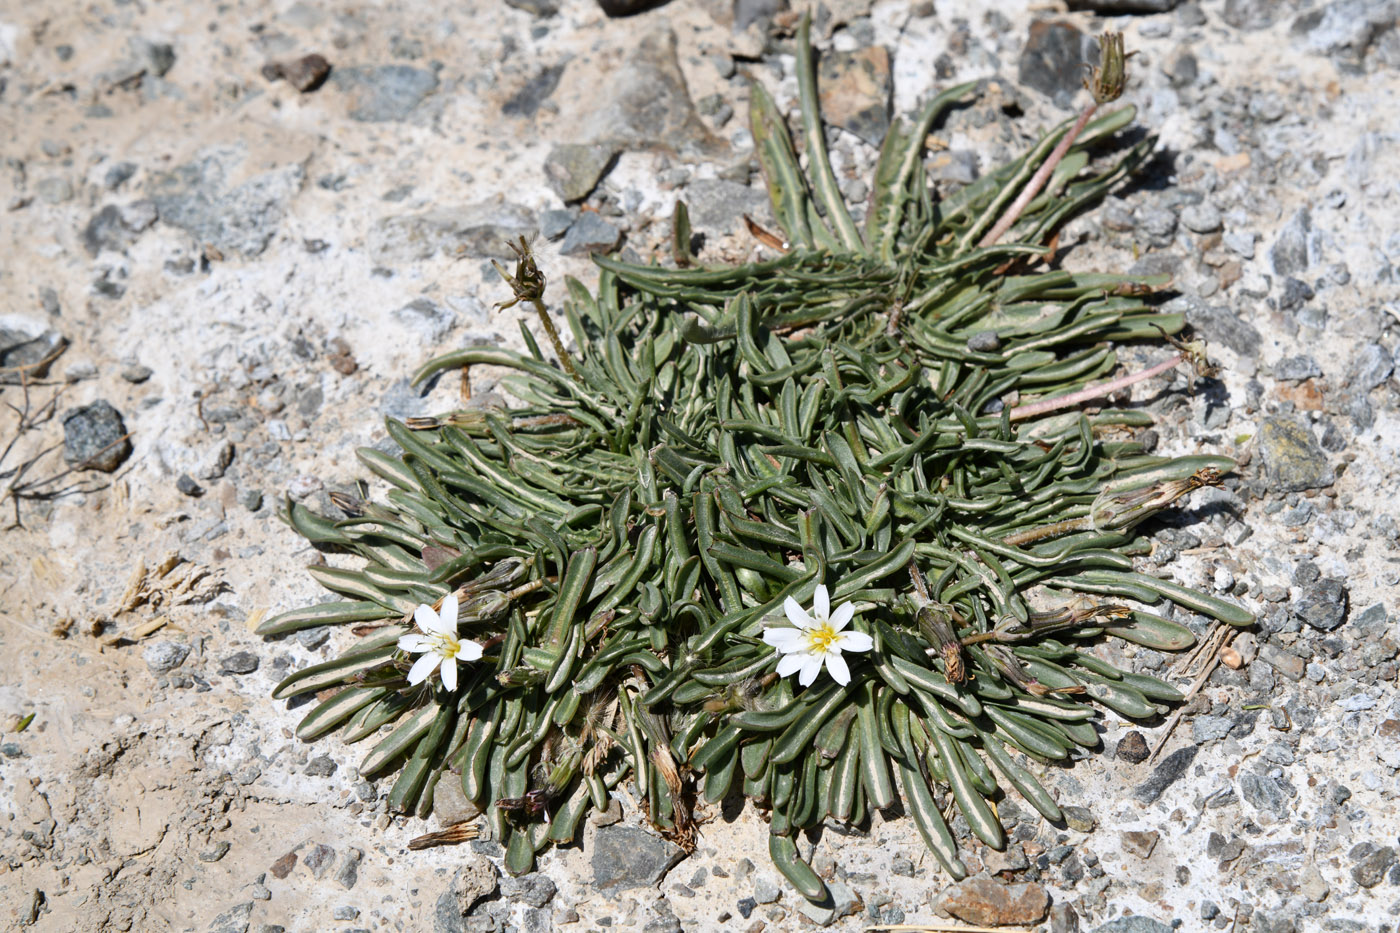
x=884, y=419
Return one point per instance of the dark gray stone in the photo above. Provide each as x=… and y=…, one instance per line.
x=554, y=224
x=1292, y=457
x=533, y=889
x=1323, y=605
x=1263, y=793
x=747, y=12
x=1370, y=871
x=1371, y=366
x=526, y=101
x=426, y=319
x=1295, y=294
x=1210, y=728
x=1289, y=254
x=574, y=169
x=215, y=852
x=244, y=218
x=1052, y=61
x=1296, y=368
x=156, y=57
x=233, y=920
x=118, y=175
x=348, y=874
x=136, y=373
x=384, y=93
x=959, y=166
x=628, y=857
x=114, y=229
x=483, y=229
x=306, y=73
x=590, y=234
x=243, y=662
x=1079, y=819
x=1168, y=770
x=94, y=438
x=476, y=880
x=1132, y=748
x=321, y=766
x=188, y=487
x=162, y=656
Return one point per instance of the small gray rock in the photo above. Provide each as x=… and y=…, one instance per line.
x=54, y=190
x=534, y=889
x=384, y=93
x=349, y=871
x=1294, y=460
x=233, y=920
x=628, y=857
x=554, y=224
x=1241, y=244
x=321, y=766
x=28, y=348
x=1116, y=7
x=590, y=234
x=574, y=170
x=483, y=229
x=1371, y=366
x=1285, y=662
x=1263, y=793
x=1370, y=871
x=646, y=102
x=1165, y=774
x=188, y=487
x=1289, y=254
x=118, y=175
x=855, y=90
x=243, y=662
x=215, y=852
x=319, y=860
x=717, y=206
x=539, y=8
x=136, y=374
x=1296, y=368
x=241, y=219
x=1052, y=59
x=1324, y=604
x=312, y=638
x=765, y=891
x=1251, y=15
x=345, y=912
x=94, y=438
x=1078, y=819
x=1201, y=218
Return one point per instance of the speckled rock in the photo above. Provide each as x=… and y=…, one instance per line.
x=855, y=91
x=94, y=438
x=628, y=857
x=1292, y=457
x=574, y=169
x=384, y=93
x=983, y=902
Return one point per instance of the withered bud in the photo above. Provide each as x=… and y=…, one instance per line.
x=1107, y=79
x=936, y=624
x=1120, y=511
x=1011, y=668
x=528, y=282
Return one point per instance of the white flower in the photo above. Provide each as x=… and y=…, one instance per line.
x=817, y=638
x=439, y=644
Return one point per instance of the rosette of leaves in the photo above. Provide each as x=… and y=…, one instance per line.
x=723, y=439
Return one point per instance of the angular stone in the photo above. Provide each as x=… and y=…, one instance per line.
x=484, y=229
x=1210, y=728
x=1052, y=61
x=1134, y=924
x=984, y=902
x=534, y=889
x=1289, y=254
x=1165, y=774
x=242, y=662
x=1292, y=457
x=1132, y=748
x=1323, y=605
x=645, y=102
x=306, y=74
x=384, y=93
x=574, y=169
x=94, y=438
x=233, y=920
x=1296, y=368
x=1370, y=871
x=1139, y=843
x=717, y=207
x=426, y=319
x=1263, y=793
x=1371, y=367
x=855, y=91
x=590, y=234
x=1079, y=819
x=628, y=857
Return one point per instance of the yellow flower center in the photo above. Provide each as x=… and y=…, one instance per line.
x=447, y=646
x=821, y=637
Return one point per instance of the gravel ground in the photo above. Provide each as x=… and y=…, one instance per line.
x=238, y=257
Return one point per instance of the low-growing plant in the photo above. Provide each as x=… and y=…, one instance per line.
x=610, y=579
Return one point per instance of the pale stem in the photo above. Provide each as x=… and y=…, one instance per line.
x=1038, y=180
x=1032, y=409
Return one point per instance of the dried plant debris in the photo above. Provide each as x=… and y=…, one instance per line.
x=727, y=446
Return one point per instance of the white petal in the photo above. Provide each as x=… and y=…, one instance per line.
x=854, y=641
x=785, y=640
x=843, y=616
x=470, y=650
x=449, y=673
x=821, y=602
x=415, y=643
x=448, y=615
x=836, y=665
x=422, y=668
x=790, y=664
x=425, y=617
x=796, y=614
x=811, y=667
